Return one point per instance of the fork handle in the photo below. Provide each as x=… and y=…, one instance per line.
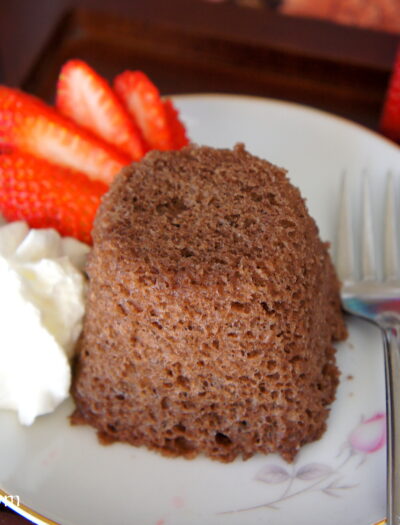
x=392, y=372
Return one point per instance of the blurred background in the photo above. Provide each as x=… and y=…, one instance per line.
x=336, y=55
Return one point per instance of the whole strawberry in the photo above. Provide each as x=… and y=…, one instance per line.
x=390, y=120
x=48, y=196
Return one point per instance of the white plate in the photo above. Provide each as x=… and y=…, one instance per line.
x=64, y=474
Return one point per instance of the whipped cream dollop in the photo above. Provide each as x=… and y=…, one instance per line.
x=42, y=288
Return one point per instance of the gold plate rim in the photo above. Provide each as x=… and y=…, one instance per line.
x=29, y=513
x=23, y=510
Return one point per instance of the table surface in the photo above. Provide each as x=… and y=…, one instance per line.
x=8, y=517
x=300, y=60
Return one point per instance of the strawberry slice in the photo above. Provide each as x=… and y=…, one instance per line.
x=390, y=120
x=30, y=125
x=142, y=99
x=178, y=131
x=87, y=98
x=48, y=196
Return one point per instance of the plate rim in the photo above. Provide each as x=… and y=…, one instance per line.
x=23, y=510
x=288, y=103
x=29, y=513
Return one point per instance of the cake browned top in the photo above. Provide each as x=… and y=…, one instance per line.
x=209, y=216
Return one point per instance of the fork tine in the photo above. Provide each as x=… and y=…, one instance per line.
x=345, y=245
x=391, y=258
x=368, y=259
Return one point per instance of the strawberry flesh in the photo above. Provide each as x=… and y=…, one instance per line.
x=178, y=130
x=142, y=99
x=33, y=127
x=86, y=98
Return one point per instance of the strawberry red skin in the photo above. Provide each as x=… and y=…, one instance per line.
x=30, y=125
x=142, y=99
x=177, y=129
x=390, y=120
x=48, y=196
x=86, y=98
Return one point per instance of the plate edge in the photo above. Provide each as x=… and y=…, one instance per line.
x=304, y=107
x=23, y=510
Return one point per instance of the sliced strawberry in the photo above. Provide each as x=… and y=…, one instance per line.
x=48, y=196
x=390, y=120
x=87, y=98
x=177, y=129
x=32, y=126
x=142, y=99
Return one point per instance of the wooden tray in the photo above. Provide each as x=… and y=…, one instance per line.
x=192, y=46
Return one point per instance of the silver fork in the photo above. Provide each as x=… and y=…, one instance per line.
x=377, y=300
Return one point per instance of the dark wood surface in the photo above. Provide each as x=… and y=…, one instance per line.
x=189, y=46
x=194, y=46
x=8, y=517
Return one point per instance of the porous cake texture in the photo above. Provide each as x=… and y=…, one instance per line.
x=211, y=311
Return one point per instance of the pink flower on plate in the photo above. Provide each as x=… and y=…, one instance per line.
x=370, y=435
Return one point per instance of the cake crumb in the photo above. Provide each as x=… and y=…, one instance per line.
x=209, y=285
